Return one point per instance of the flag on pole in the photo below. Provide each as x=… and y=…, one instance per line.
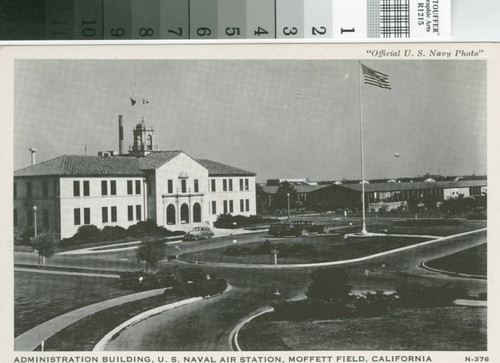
x=375, y=78
x=144, y=101
x=132, y=101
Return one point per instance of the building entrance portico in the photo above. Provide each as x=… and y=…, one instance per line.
x=182, y=211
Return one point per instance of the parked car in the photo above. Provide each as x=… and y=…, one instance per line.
x=311, y=227
x=198, y=233
x=285, y=229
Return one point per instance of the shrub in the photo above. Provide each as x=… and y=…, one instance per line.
x=22, y=235
x=418, y=295
x=329, y=285
x=111, y=233
x=146, y=228
x=428, y=222
x=229, y=221
x=87, y=233
x=373, y=304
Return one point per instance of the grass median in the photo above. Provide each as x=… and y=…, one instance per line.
x=445, y=328
x=470, y=261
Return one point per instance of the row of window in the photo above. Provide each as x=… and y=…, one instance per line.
x=108, y=214
x=104, y=187
x=227, y=185
x=30, y=217
x=184, y=187
x=228, y=206
x=29, y=189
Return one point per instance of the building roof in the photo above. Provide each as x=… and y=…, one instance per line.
x=302, y=188
x=218, y=169
x=390, y=187
x=155, y=159
x=76, y=165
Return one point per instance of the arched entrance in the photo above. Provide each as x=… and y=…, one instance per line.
x=196, y=212
x=170, y=214
x=184, y=213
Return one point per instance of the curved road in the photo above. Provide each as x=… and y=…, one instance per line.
x=205, y=325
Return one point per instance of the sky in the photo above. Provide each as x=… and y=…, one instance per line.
x=277, y=118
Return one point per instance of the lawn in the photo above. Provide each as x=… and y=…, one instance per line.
x=41, y=297
x=448, y=329
x=470, y=261
x=87, y=332
x=308, y=249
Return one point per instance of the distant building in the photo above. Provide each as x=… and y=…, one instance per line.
x=117, y=189
x=340, y=196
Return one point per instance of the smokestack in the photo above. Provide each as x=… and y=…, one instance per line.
x=33, y=156
x=120, y=135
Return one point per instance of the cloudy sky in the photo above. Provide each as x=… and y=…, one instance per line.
x=277, y=118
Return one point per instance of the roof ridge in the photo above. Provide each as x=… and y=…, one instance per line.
x=62, y=163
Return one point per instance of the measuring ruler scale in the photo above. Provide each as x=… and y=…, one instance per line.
x=247, y=19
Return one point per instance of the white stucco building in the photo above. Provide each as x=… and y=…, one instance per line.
x=169, y=187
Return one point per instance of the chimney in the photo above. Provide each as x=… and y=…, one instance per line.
x=33, y=156
x=120, y=135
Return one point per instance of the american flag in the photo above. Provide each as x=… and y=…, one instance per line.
x=375, y=78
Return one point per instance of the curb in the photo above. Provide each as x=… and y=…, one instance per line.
x=332, y=263
x=233, y=336
x=99, y=347
x=452, y=273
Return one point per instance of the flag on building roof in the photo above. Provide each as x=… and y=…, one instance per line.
x=132, y=101
x=375, y=78
x=144, y=101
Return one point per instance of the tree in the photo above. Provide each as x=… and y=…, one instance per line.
x=329, y=285
x=262, y=199
x=280, y=199
x=45, y=244
x=150, y=251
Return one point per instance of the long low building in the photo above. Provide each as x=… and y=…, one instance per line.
x=168, y=187
x=340, y=196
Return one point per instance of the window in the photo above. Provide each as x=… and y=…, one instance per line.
x=170, y=214
x=242, y=205
x=130, y=186
x=231, y=209
x=225, y=207
x=104, y=214
x=247, y=205
x=15, y=217
x=137, y=187
x=29, y=214
x=196, y=186
x=104, y=187
x=246, y=185
x=76, y=216
x=113, y=187
x=28, y=189
x=230, y=185
x=45, y=189
x=113, y=214
x=86, y=215
x=138, y=212
x=45, y=218
x=224, y=185
x=214, y=207
x=241, y=184
x=15, y=190
x=196, y=213
x=183, y=185
x=170, y=186
x=86, y=188
x=130, y=211
x=213, y=185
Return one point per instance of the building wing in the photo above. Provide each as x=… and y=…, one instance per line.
x=217, y=169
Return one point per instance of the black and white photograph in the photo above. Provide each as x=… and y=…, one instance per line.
x=335, y=200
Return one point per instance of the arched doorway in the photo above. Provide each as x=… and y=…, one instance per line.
x=170, y=214
x=196, y=212
x=184, y=213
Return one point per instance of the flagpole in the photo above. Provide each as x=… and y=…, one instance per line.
x=363, y=231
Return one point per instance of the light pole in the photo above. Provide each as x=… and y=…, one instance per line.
x=34, y=227
x=275, y=253
x=288, y=202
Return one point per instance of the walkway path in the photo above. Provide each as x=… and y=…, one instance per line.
x=31, y=339
x=70, y=273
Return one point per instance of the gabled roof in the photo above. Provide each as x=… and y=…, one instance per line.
x=218, y=169
x=156, y=159
x=301, y=188
x=388, y=187
x=83, y=165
